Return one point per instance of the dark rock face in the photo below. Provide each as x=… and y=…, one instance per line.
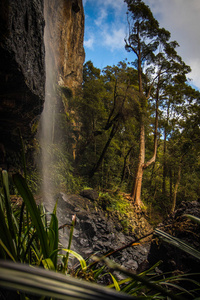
x=95, y=232
x=22, y=68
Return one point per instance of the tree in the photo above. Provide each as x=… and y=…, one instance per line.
x=156, y=57
x=105, y=116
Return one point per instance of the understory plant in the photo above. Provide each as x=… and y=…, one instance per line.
x=30, y=236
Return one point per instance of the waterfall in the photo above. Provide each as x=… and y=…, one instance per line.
x=51, y=108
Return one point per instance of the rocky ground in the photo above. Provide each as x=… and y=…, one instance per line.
x=97, y=231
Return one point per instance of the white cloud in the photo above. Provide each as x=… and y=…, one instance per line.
x=102, y=16
x=181, y=18
x=108, y=24
x=114, y=38
x=89, y=43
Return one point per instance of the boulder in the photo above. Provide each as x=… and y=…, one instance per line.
x=90, y=194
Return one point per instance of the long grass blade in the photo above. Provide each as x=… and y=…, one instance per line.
x=193, y=218
x=149, y=284
x=53, y=236
x=9, y=214
x=66, y=258
x=5, y=236
x=79, y=257
x=34, y=213
x=42, y=282
x=178, y=243
x=116, y=285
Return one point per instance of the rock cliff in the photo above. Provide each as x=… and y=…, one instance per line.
x=22, y=69
x=22, y=61
x=65, y=19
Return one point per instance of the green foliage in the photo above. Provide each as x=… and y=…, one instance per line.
x=29, y=238
x=61, y=174
x=27, y=235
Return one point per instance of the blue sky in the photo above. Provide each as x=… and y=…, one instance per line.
x=106, y=28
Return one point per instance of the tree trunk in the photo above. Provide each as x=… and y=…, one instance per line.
x=164, y=167
x=124, y=167
x=112, y=134
x=176, y=188
x=136, y=191
x=137, y=187
x=164, y=154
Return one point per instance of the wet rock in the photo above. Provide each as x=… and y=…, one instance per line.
x=96, y=232
x=22, y=68
x=90, y=194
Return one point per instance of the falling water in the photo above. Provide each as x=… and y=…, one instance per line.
x=47, y=132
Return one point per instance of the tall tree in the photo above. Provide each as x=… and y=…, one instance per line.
x=144, y=38
x=156, y=57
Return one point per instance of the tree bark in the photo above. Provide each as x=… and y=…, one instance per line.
x=124, y=167
x=137, y=187
x=176, y=188
x=136, y=191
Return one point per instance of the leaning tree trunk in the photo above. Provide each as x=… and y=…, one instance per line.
x=136, y=191
x=137, y=187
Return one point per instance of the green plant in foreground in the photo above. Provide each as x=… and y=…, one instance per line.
x=28, y=237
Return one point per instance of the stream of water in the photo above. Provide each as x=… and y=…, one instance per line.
x=47, y=125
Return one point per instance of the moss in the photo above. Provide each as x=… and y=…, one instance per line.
x=67, y=92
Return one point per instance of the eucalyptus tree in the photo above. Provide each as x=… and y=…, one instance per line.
x=156, y=61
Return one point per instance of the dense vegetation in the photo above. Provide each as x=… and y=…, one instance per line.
x=131, y=128
x=134, y=127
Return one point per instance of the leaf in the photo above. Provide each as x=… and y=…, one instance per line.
x=5, y=235
x=70, y=241
x=51, y=284
x=177, y=243
x=9, y=214
x=48, y=264
x=32, y=208
x=193, y=218
x=115, y=282
x=53, y=238
x=6, y=250
x=79, y=257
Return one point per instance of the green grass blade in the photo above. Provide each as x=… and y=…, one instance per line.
x=6, y=250
x=193, y=218
x=98, y=272
x=34, y=213
x=53, y=238
x=66, y=258
x=5, y=235
x=177, y=243
x=147, y=283
x=42, y=282
x=79, y=257
x=115, y=282
x=10, y=215
x=48, y=264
